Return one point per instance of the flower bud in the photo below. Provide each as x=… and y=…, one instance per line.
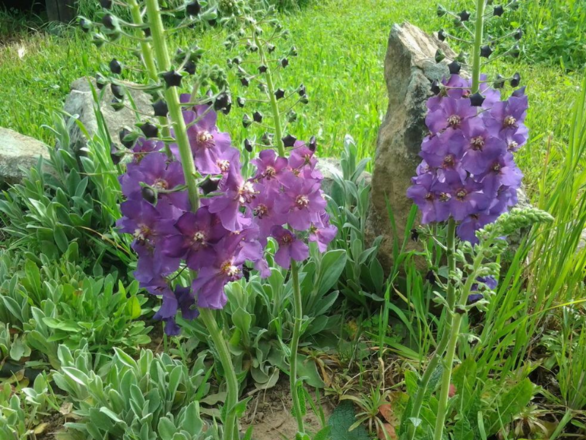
x=414, y=234
x=514, y=5
x=515, y=51
x=101, y=81
x=127, y=137
x=312, y=144
x=172, y=78
x=435, y=87
x=241, y=101
x=279, y=93
x=267, y=139
x=161, y=108
x=454, y=67
x=499, y=82
x=247, y=145
x=246, y=121
x=262, y=69
x=147, y=31
x=439, y=56
x=237, y=60
x=109, y=21
x=291, y=116
x=148, y=194
x=257, y=116
x=516, y=80
x=464, y=15
x=106, y=4
x=190, y=67
x=117, y=91
x=518, y=34
x=476, y=100
x=485, y=51
x=302, y=90
x=289, y=140
x=193, y=8
x=271, y=48
x=115, y=66
x=116, y=104
x=441, y=35
x=441, y=11
x=223, y=103
x=98, y=39
x=86, y=25
x=149, y=130
x=498, y=11
x=293, y=51
x=245, y=81
x=284, y=62
x=115, y=155
x=304, y=99
x=209, y=185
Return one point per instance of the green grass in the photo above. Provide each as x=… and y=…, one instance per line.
x=341, y=45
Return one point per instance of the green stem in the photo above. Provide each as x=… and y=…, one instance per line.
x=443, y=344
x=230, y=424
x=272, y=99
x=480, y=5
x=172, y=98
x=298, y=317
x=149, y=62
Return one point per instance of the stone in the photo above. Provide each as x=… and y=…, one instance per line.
x=410, y=68
x=80, y=102
x=18, y=153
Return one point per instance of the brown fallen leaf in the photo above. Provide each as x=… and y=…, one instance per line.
x=386, y=411
x=388, y=433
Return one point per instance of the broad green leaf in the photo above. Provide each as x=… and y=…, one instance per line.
x=340, y=422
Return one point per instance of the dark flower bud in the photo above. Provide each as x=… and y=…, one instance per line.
x=172, y=78
x=85, y=25
x=289, y=140
x=474, y=298
x=271, y=48
x=430, y=276
x=267, y=139
x=461, y=58
x=223, y=103
x=499, y=82
x=514, y=5
x=193, y=8
x=498, y=11
x=252, y=47
x=457, y=22
x=302, y=90
x=247, y=145
x=147, y=31
x=516, y=80
x=460, y=310
x=279, y=93
x=485, y=51
x=106, y=4
x=262, y=69
x=210, y=185
x=179, y=55
x=115, y=155
x=441, y=11
x=519, y=92
x=149, y=130
x=304, y=99
x=441, y=35
x=245, y=81
x=476, y=100
x=148, y=194
x=518, y=34
x=515, y=51
x=464, y=15
x=435, y=87
x=237, y=61
x=117, y=91
x=116, y=104
x=454, y=67
x=257, y=116
x=109, y=21
x=190, y=67
x=246, y=121
x=293, y=51
x=291, y=116
x=101, y=81
x=414, y=234
x=127, y=138
x=241, y=101
x=262, y=87
x=284, y=62
x=115, y=66
x=312, y=144
x=439, y=56
x=161, y=108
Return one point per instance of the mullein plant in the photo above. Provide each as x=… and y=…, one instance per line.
x=289, y=205
x=198, y=223
x=468, y=179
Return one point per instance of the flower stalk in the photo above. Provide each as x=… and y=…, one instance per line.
x=298, y=320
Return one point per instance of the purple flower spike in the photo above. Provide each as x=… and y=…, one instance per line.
x=451, y=114
x=289, y=247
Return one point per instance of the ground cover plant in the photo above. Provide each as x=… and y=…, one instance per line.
x=168, y=285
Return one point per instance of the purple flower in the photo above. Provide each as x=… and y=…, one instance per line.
x=270, y=170
x=432, y=198
x=444, y=151
x=303, y=203
x=489, y=282
x=143, y=147
x=467, y=198
x=302, y=156
x=502, y=171
x=506, y=117
x=207, y=143
x=198, y=233
x=467, y=228
x=289, y=247
x=450, y=114
x=322, y=233
x=482, y=148
x=265, y=214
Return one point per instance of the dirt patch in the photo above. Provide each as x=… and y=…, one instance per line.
x=269, y=412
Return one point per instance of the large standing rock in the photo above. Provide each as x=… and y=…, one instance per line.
x=409, y=69
x=80, y=102
x=18, y=153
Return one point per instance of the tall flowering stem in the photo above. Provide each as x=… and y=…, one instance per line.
x=189, y=170
x=298, y=316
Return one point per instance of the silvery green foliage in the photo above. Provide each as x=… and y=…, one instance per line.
x=154, y=397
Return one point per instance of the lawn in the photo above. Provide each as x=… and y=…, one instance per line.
x=205, y=283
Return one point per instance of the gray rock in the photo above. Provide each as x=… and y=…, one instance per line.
x=80, y=102
x=18, y=153
x=409, y=69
